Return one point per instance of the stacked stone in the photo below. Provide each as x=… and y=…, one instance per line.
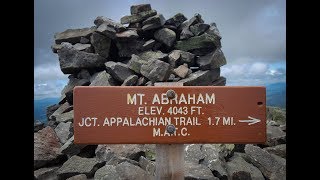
x=143, y=49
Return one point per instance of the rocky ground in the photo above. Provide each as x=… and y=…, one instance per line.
x=149, y=49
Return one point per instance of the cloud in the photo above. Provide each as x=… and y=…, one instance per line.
x=259, y=73
x=253, y=34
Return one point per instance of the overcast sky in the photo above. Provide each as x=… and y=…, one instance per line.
x=253, y=35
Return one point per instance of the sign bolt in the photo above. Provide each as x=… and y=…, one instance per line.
x=171, y=129
x=171, y=94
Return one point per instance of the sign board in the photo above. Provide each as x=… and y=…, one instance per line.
x=145, y=115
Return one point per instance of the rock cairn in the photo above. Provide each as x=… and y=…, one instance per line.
x=142, y=49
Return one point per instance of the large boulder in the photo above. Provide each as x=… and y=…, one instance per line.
x=62, y=109
x=136, y=9
x=279, y=150
x=65, y=117
x=201, y=78
x=107, y=172
x=73, y=82
x=73, y=36
x=199, y=28
x=101, y=44
x=46, y=148
x=198, y=171
x=199, y=45
x=51, y=109
x=275, y=136
x=138, y=17
x=108, y=22
x=212, y=60
x=176, y=20
x=156, y=70
x=237, y=165
x=118, y=70
x=272, y=167
x=70, y=149
x=131, y=151
x=166, y=36
x=46, y=173
x=64, y=131
x=102, y=78
x=178, y=57
x=72, y=61
x=130, y=81
x=153, y=22
x=131, y=172
x=78, y=165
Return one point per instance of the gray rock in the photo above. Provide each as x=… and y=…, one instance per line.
x=156, y=70
x=70, y=149
x=186, y=34
x=176, y=20
x=59, y=111
x=118, y=71
x=178, y=57
x=196, y=19
x=198, y=171
x=73, y=36
x=107, y=151
x=115, y=160
x=193, y=153
x=106, y=30
x=212, y=60
x=283, y=127
x=131, y=172
x=84, y=40
x=147, y=55
x=102, y=78
x=214, y=159
x=221, y=81
x=181, y=71
x=72, y=61
x=148, y=45
x=275, y=136
x=127, y=35
x=74, y=82
x=213, y=30
x=37, y=125
x=147, y=165
x=138, y=17
x=199, y=28
x=109, y=22
x=272, y=166
x=84, y=74
x=107, y=172
x=201, y=78
x=135, y=63
x=141, y=81
x=64, y=131
x=46, y=147
x=101, y=44
x=153, y=22
x=51, y=109
x=171, y=77
x=130, y=81
x=56, y=47
x=166, y=36
x=65, y=117
x=136, y=9
x=78, y=165
x=83, y=47
x=78, y=177
x=127, y=48
x=46, y=173
x=237, y=164
x=279, y=150
x=198, y=45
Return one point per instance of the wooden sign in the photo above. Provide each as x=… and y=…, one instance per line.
x=147, y=115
